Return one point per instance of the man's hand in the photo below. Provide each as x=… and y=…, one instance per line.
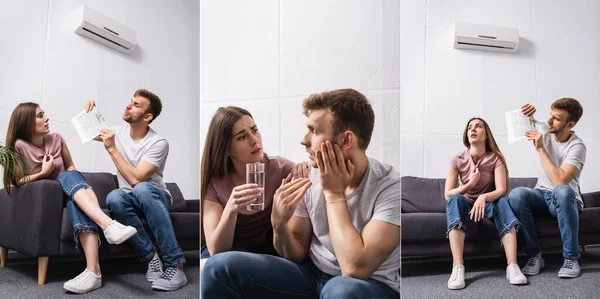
x=528, y=109
x=286, y=199
x=537, y=139
x=334, y=171
x=300, y=170
x=89, y=105
x=478, y=210
x=108, y=138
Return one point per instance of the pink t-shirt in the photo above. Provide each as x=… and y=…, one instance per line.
x=252, y=226
x=464, y=165
x=33, y=155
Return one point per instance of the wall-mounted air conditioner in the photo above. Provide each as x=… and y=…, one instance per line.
x=486, y=37
x=105, y=30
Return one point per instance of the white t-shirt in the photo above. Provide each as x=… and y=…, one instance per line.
x=376, y=198
x=152, y=148
x=572, y=152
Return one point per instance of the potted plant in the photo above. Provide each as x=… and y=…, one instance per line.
x=10, y=162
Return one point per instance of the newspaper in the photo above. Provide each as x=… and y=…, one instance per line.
x=88, y=124
x=517, y=124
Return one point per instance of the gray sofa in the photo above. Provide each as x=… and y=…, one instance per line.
x=34, y=221
x=424, y=222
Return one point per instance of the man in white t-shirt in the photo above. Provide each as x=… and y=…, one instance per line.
x=140, y=155
x=562, y=155
x=338, y=232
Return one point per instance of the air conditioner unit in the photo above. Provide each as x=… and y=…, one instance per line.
x=486, y=37
x=100, y=28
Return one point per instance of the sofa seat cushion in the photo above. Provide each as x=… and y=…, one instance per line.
x=185, y=224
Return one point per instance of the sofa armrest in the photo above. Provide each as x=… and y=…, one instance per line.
x=30, y=218
x=193, y=205
x=591, y=199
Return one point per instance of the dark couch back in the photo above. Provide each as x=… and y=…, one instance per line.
x=420, y=195
x=103, y=183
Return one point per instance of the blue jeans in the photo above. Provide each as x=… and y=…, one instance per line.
x=561, y=203
x=240, y=274
x=204, y=254
x=154, y=204
x=457, y=214
x=72, y=181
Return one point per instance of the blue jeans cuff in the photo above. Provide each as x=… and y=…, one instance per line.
x=456, y=223
x=515, y=223
x=78, y=228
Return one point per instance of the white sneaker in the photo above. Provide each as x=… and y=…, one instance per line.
x=514, y=275
x=457, y=279
x=85, y=282
x=117, y=233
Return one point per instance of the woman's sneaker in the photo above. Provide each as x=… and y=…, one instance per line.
x=457, y=279
x=85, y=282
x=117, y=233
x=514, y=275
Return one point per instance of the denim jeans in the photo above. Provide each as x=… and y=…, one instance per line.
x=154, y=204
x=204, y=253
x=457, y=214
x=240, y=274
x=561, y=203
x=72, y=181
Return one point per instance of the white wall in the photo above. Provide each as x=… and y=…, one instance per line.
x=442, y=88
x=267, y=56
x=44, y=61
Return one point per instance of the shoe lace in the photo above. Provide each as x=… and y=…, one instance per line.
x=568, y=264
x=168, y=274
x=155, y=265
x=533, y=261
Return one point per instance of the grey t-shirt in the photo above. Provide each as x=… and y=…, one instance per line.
x=572, y=152
x=152, y=148
x=376, y=198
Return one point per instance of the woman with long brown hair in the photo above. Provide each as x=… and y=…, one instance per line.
x=47, y=156
x=233, y=140
x=483, y=175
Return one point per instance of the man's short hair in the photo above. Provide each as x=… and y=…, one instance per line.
x=572, y=106
x=350, y=110
x=155, y=106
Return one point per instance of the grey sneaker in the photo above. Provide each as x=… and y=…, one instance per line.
x=514, y=275
x=534, y=265
x=85, y=282
x=171, y=280
x=117, y=233
x=155, y=270
x=457, y=279
x=569, y=269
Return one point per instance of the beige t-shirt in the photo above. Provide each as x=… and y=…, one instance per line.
x=252, y=226
x=463, y=164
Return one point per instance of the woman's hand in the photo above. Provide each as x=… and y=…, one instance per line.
x=474, y=178
x=48, y=165
x=241, y=196
x=478, y=210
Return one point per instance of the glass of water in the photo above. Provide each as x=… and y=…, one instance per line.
x=255, y=174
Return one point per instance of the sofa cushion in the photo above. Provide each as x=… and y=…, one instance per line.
x=427, y=194
x=102, y=183
x=178, y=200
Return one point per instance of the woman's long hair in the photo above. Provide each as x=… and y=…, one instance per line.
x=490, y=144
x=20, y=126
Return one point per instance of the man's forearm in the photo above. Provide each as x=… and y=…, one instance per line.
x=287, y=245
x=552, y=171
x=347, y=242
x=128, y=171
